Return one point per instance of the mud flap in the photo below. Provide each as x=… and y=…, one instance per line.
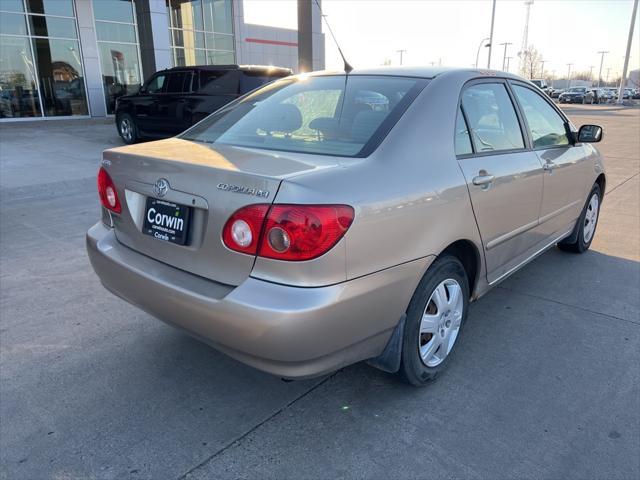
x=389, y=359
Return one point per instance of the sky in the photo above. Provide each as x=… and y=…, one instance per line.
x=450, y=31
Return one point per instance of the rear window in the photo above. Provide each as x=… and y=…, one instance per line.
x=251, y=80
x=331, y=115
x=219, y=82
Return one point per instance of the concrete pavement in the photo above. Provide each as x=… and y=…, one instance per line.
x=545, y=383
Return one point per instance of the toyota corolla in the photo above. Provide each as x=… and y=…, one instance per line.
x=331, y=218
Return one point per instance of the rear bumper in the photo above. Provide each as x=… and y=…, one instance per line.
x=288, y=331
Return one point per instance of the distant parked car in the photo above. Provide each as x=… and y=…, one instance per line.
x=577, y=95
x=174, y=99
x=600, y=95
x=627, y=94
x=555, y=92
x=636, y=93
x=542, y=85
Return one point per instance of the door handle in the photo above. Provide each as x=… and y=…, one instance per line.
x=549, y=166
x=483, y=179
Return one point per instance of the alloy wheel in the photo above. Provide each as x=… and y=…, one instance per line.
x=126, y=129
x=440, y=323
x=590, y=218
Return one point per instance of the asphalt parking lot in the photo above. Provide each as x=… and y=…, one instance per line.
x=545, y=383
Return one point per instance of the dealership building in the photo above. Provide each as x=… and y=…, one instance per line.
x=73, y=58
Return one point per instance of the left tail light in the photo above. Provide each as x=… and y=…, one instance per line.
x=287, y=232
x=107, y=192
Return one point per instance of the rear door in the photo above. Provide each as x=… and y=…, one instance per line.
x=568, y=169
x=503, y=175
x=174, y=103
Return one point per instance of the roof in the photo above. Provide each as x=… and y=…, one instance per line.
x=421, y=72
x=245, y=68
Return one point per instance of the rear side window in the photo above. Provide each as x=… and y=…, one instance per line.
x=492, y=119
x=462, y=139
x=219, y=82
x=547, y=128
x=177, y=82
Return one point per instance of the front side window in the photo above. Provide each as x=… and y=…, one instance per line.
x=331, y=115
x=462, y=139
x=546, y=126
x=156, y=83
x=492, y=119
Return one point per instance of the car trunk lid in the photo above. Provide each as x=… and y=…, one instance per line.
x=210, y=182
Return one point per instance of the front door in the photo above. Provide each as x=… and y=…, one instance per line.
x=503, y=176
x=568, y=171
x=147, y=103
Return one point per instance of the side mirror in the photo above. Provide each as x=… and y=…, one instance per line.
x=589, y=134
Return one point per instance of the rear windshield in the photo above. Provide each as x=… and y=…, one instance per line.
x=331, y=115
x=252, y=80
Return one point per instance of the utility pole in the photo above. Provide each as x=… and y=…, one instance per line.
x=504, y=56
x=479, y=47
x=508, y=62
x=623, y=79
x=569, y=75
x=401, y=52
x=602, y=54
x=608, y=70
x=493, y=17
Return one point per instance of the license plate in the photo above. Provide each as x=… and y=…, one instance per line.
x=166, y=221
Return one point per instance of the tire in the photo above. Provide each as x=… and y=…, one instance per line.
x=127, y=129
x=587, y=224
x=438, y=306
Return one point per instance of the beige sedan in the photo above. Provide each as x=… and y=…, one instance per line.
x=328, y=219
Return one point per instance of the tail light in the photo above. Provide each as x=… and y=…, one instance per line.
x=287, y=232
x=242, y=231
x=107, y=192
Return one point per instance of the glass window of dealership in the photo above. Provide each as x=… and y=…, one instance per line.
x=42, y=53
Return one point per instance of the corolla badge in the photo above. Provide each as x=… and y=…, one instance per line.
x=256, y=192
x=161, y=187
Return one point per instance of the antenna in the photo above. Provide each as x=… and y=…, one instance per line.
x=347, y=67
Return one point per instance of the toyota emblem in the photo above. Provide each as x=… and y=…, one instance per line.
x=161, y=187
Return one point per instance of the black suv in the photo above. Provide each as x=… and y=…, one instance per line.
x=174, y=99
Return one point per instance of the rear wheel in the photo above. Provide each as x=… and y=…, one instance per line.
x=127, y=129
x=435, y=318
x=587, y=223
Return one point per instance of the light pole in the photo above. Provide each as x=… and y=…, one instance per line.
x=493, y=16
x=569, y=75
x=542, y=72
x=401, y=52
x=504, y=56
x=607, y=79
x=479, y=47
x=602, y=53
x=591, y=67
x=623, y=80
x=553, y=77
x=508, y=62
